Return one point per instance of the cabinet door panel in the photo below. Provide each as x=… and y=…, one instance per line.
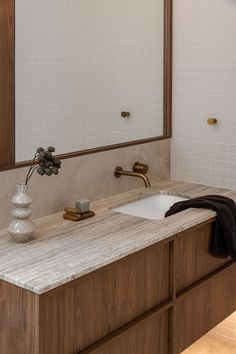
x=203, y=307
x=193, y=259
x=90, y=308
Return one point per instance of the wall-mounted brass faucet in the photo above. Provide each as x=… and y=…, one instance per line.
x=139, y=171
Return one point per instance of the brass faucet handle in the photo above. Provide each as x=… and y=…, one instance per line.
x=140, y=168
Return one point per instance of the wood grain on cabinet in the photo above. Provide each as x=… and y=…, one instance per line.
x=193, y=258
x=203, y=307
x=86, y=310
x=19, y=320
x=148, y=336
x=7, y=69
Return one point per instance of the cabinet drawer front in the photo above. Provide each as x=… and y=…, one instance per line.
x=150, y=336
x=193, y=259
x=203, y=307
x=88, y=309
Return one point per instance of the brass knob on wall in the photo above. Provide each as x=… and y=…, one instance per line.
x=212, y=121
x=125, y=114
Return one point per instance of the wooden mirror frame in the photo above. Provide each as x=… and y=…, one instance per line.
x=7, y=88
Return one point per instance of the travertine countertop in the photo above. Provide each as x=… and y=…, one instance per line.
x=63, y=250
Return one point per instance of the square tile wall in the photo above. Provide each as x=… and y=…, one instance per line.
x=204, y=85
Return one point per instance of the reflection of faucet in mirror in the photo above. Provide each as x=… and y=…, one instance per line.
x=139, y=171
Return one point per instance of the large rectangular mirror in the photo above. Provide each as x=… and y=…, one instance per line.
x=90, y=74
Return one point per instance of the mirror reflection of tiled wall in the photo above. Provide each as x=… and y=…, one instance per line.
x=79, y=64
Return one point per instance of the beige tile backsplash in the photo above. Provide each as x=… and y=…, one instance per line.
x=88, y=176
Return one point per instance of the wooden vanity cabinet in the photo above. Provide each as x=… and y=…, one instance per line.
x=156, y=301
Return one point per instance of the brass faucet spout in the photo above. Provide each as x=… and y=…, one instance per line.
x=119, y=172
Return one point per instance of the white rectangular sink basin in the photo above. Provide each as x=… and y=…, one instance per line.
x=153, y=207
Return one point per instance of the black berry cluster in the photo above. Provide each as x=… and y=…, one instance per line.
x=44, y=162
x=48, y=164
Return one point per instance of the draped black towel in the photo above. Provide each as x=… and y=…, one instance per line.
x=223, y=243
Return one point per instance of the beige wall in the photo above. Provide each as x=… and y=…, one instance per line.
x=88, y=176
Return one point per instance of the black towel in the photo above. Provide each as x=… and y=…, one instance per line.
x=223, y=243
